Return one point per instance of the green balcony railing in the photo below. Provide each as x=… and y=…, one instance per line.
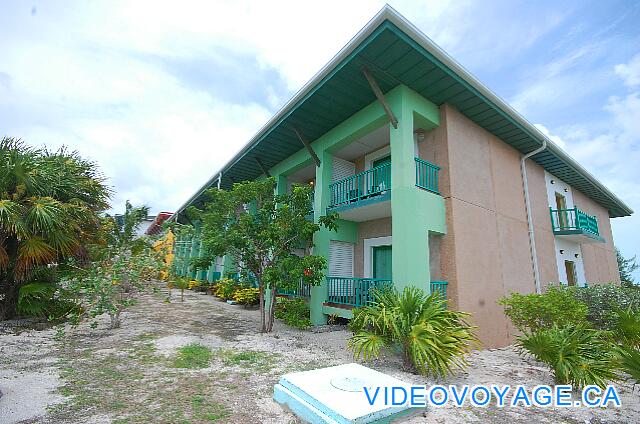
x=364, y=185
x=303, y=290
x=354, y=292
x=427, y=175
x=439, y=287
x=573, y=219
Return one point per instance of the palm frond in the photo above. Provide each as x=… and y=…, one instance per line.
x=31, y=252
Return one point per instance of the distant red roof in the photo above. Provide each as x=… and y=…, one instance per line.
x=156, y=225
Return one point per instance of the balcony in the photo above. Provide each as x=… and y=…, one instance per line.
x=427, y=176
x=363, y=190
x=353, y=292
x=575, y=225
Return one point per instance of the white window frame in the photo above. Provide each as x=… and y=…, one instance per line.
x=373, y=156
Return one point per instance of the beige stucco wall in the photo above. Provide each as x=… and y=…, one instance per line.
x=486, y=253
x=366, y=230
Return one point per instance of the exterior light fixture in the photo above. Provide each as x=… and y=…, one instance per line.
x=576, y=255
x=552, y=181
x=420, y=134
x=562, y=251
x=566, y=190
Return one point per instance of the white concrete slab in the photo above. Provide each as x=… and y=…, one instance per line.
x=336, y=394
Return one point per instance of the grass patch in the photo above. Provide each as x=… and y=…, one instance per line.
x=255, y=360
x=193, y=356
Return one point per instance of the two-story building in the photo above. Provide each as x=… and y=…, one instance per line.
x=437, y=182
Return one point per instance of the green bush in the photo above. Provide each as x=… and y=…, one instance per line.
x=603, y=300
x=557, y=306
x=43, y=300
x=293, y=311
x=432, y=339
x=626, y=329
x=579, y=356
x=630, y=362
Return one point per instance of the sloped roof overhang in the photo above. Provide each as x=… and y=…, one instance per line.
x=396, y=52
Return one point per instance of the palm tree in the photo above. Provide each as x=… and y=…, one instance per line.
x=124, y=227
x=431, y=338
x=49, y=204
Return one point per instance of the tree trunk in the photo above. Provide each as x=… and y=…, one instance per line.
x=8, y=299
x=263, y=327
x=272, y=310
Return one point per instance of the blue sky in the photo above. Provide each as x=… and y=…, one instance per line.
x=162, y=94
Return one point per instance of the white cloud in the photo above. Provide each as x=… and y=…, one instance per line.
x=630, y=72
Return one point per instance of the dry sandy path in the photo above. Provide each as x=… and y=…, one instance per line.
x=128, y=375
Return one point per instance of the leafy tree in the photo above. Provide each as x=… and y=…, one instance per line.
x=432, y=339
x=112, y=285
x=626, y=267
x=49, y=204
x=261, y=230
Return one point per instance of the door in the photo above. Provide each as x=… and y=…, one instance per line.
x=382, y=177
x=382, y=262
x=561, y=206
x=570, y=268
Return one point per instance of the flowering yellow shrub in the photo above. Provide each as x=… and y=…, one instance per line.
x=247, y=296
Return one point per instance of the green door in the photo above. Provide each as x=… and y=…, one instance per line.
x=382, y=262
x=381, y=178
x=381, y=161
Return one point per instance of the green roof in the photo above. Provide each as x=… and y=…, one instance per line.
x=396, y=52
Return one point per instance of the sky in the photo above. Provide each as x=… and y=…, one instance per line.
x=161, y=94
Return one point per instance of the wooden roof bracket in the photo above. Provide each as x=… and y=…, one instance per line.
x=308, y=146
x=380, y=96
x=265, y=171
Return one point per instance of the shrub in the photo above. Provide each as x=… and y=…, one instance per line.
x=579, y=356
x=557, y=306
x=112, y=285
x=293, y=311
x=247, y=296
x=44, y=300
x=193, y=284
x=432, y=339
x=226, y=287
x=630, y=362
x=603, y=300
x=627, y=327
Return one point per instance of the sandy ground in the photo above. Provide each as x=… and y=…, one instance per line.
x=128, y=375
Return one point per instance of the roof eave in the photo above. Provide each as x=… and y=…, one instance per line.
x=389, y=13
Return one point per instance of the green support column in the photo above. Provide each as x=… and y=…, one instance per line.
x=321, y=239
x=410, y=254
x=227, y=264
x=195, y=244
